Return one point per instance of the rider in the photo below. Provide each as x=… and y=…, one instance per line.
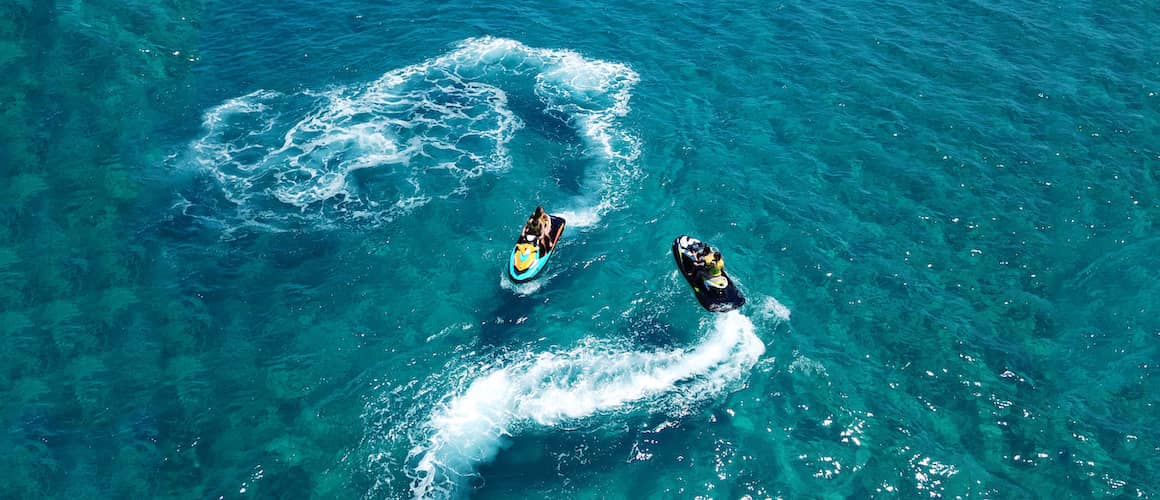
x=714, y=264
x=538, y=227
x=708, y=263
x=700, y=255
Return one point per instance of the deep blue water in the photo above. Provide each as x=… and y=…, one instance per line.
x=258, y=249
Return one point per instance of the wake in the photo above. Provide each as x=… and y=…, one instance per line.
x=375, y=152
x=546, y=390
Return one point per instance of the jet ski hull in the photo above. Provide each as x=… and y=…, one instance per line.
x=711, y=298
x=517, y=271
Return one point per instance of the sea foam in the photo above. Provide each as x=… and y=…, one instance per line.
x=375, y=151
x=543, y=390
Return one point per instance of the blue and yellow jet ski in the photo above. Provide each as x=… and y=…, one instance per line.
x=528, y=258
x=715, y=293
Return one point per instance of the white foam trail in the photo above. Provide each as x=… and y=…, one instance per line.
x=526, y=288
x=579, y=218
x=422, y=132
x=545, y=390
x=802, y=363
x=771, y=308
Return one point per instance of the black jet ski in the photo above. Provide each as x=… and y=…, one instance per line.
x=715, y=293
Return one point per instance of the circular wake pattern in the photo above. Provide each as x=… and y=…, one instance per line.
x=372, y=152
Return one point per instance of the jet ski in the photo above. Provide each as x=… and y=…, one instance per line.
x=528, y=259
x=715, y=293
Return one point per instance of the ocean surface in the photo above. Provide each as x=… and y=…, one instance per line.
x=258, y=249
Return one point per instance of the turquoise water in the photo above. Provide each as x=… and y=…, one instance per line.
x=257, y=249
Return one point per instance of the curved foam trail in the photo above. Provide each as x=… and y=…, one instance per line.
x=548, y=389
x=418, y=133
